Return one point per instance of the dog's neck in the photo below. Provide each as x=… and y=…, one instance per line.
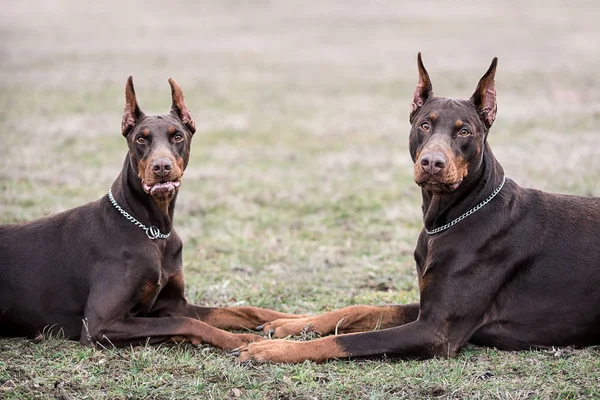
x=441, y=208
x=129, y=194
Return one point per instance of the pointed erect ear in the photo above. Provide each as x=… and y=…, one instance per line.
x=132, y=112
x=485, y=95
x=179, y=107
x=424, y=89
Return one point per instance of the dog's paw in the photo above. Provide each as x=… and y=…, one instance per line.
x=285, y=327
x=237, y=340
x=291, y=316
x=276, y=351
x=289, y=351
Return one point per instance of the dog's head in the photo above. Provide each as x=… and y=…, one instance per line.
x=159, y=145
x=447, y=136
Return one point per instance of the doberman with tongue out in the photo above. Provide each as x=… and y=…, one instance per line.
x=110, y=272
x=498, y=265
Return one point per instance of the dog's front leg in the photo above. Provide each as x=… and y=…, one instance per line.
x=172, y=302
x=116, y=315
x=345, y=320
x=418, y=339
x=126, y=331
x=232, y=318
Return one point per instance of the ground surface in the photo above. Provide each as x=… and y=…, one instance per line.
x=299, y=194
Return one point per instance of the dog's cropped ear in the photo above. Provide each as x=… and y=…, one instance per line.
x=485, y=95
x=132, y=112
x=423, y=91
x=179, y=107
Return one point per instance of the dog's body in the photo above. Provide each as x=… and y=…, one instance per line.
x=520, y=271
x=92, y=274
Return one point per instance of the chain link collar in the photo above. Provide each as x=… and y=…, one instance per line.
x=471, y=211
x=152, y=232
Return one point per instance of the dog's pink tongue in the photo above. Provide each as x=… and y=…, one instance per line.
x=455, y=185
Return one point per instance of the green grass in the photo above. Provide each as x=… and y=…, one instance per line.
x=299, y=194
x=67, y=370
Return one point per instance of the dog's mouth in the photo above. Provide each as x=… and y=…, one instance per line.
x=436, y=186
x=162, y=189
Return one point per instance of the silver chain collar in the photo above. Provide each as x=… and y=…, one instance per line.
x=152, y=232
x=471, y=211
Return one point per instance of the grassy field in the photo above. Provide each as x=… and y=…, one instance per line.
x=299, y=195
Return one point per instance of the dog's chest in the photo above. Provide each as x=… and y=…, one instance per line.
x=155, y=285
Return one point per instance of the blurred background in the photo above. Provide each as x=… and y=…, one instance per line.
x=300, y=170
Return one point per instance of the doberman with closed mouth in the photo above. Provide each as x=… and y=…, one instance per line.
x=498, y=265
x=110, y=272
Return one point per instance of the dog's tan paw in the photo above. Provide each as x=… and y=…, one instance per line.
x=234, y=341
x=276, y=351
x=285, y=327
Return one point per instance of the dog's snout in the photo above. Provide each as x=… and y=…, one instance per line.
x=162, y=166
x=433, y=163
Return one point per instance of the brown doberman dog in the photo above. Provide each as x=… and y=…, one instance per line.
x=110, y=272
x=498, y=265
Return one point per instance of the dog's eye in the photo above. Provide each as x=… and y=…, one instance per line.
x=177, y=138
x=140, y=140
x=464, y=132
x=425, y=126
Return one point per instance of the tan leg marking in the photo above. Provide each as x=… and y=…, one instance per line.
x=216, y=337
x=345, y=320
x=244, y=317
x=288, y=351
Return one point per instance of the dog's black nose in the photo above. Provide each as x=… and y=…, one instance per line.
x=433, y=162
x=162, y=166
